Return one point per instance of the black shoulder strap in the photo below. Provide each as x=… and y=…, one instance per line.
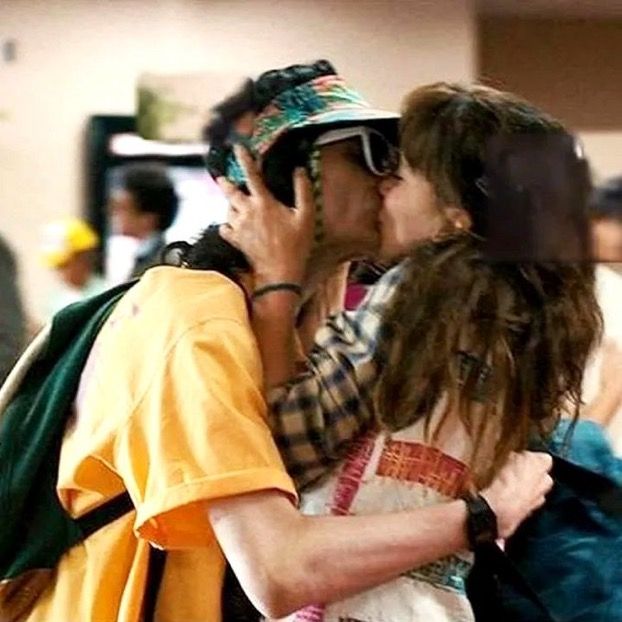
x=106, y=514
x=493, y=569
x=155, y=572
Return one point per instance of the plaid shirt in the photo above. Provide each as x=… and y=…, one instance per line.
x=316, y=414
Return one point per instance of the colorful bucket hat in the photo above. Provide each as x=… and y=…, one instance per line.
x=319, y=100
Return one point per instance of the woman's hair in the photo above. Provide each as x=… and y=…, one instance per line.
x=505, y=344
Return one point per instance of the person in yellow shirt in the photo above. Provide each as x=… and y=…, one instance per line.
x=170, y=408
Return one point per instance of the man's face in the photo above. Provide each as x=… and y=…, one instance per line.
x=411, y=212
x=607, y=240
x=77, y=270
x=126, y=218
x=351, y=198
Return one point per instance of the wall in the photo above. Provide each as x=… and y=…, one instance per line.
x=80, y=57
x=570, y=67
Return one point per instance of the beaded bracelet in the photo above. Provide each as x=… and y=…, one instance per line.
x=277, y=287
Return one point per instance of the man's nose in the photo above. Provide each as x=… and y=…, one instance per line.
x=386, y=183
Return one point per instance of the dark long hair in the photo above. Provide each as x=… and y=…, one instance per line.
x=505, y=343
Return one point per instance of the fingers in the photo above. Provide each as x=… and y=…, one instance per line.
x=539, y=459
x=238, y=200
x=253, y=177
x=545, y=461
x=233, y=194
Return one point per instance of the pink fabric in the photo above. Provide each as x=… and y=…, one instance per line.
x=354, y=295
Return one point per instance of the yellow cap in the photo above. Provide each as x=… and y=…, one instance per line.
x=64, y=238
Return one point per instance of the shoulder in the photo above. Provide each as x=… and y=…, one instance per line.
x=197, y=296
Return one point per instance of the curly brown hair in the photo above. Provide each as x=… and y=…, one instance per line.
x=505, y=343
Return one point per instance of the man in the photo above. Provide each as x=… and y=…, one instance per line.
x=143, y=206
x=170, y=409
x=12, y=321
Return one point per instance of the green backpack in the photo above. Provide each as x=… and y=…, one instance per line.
x=36, y=531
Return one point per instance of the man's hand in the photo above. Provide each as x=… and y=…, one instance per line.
x=519, y=489
x=275, y=239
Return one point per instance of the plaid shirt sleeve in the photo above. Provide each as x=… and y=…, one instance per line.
x=317, y=413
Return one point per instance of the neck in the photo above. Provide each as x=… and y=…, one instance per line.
x=78, y=281
x=145, y=235
x=322, y=264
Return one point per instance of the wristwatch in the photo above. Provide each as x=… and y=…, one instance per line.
x=481, y=523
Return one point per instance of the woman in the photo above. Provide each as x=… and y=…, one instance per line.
x=481, y=358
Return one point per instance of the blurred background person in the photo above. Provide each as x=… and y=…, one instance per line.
x=606, y=213
x=143, y=206
x=12, y=319
x=70, y=250
x=604, y=376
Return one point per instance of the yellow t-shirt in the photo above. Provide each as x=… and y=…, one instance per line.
x=170, y=409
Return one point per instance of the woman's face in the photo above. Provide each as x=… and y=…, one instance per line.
x=411, y=212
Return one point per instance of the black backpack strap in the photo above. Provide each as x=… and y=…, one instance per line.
x=155, y=572
x=235, y=604
x=104, y=514
x=107, y=513
x=494, y=570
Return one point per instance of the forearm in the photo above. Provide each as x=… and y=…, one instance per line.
x=316, y=414
x=273, y=324
x=286, y=561
x=331, y=558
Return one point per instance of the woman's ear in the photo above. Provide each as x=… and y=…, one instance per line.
x=458, y=217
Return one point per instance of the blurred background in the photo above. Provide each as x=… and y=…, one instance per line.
x=69, y=71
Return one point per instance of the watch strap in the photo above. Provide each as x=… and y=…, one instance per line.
x=481, y=523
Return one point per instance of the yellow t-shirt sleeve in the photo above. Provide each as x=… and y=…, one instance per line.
x=199, y=433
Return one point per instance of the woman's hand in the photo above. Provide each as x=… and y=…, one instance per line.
x=275, y=239
x=519, y=489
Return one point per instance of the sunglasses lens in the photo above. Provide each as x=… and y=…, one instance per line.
x=385, y=156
